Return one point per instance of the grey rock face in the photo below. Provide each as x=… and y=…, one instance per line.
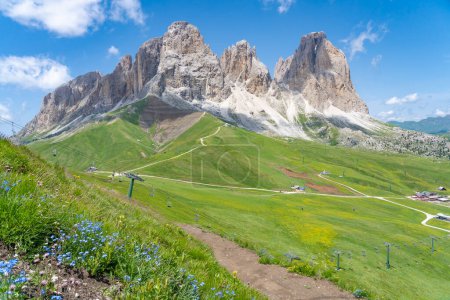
x=240, y=64
x=320, y=72
x=58, y=105
x=93, y=93
x=187, y=66
x=146, y=63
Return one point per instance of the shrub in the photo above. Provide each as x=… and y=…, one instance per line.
x=359, y=293
x=303, y=268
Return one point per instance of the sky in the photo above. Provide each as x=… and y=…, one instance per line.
x=398, y=50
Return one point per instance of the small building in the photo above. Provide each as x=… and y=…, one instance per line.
x=298, y=188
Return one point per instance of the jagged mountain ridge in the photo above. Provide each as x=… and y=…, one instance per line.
x=178, y=65
x=181, y=70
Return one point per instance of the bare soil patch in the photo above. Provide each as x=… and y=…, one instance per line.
x=326, y=189
x=294, y=174
x=170, y=121
x=272, y=280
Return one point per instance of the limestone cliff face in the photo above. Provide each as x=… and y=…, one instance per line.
x=62, y=102
x=241, y=65
x=181, y=66
x=146, y=63
x=188, y=68
x=320, y=72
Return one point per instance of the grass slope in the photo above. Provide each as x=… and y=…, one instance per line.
x=106, y=144
x=309, y=226
x=312, y=228
x=38, y=200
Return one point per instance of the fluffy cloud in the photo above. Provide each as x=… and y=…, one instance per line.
x=5, y=113
x=69, y=18
x=121, y=10
x=32, y=72
x=357, y=43
x=64, y=17
x=386, y=115
x=402, y=100
x=441, y=113
x=376, y=60
x=283, y=6
x=113, y=51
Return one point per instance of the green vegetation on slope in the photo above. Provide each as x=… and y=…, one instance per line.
x=312, y=227
x=40, y=205
x=306, y=225
x=104, y=144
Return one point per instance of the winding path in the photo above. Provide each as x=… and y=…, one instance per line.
x=424, y=222
x=428, y=216
x=272, y=280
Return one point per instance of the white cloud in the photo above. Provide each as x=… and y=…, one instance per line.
x=69, y=18
x=121, y=10
x=386, y=115
x=113, y=51
x=64, y=17
x=376, y=60
x=283, y=6
x=33, y=72
x=402, y=100
x=356, y=44
x=5, y=113
x=441, y=113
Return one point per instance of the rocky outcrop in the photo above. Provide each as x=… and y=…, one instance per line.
x=311, y=96
x=146, y=63
x=188, y=67
x=61, y=103
x=320, y=72
x=181, y=66
x=241, y=65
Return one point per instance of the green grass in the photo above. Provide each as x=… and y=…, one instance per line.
x=45, y=201
x=274, y=224
x=104, y=144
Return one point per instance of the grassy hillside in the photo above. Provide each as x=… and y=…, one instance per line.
x=104, y=144
x=198, y=178
x=259, y=161
x=238, y=157
x=58, y=218
x=312, y=228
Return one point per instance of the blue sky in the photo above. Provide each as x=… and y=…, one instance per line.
x=398, y=51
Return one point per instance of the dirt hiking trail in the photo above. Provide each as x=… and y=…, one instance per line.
x=273, y=281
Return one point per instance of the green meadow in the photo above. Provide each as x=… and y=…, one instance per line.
x=312, y=226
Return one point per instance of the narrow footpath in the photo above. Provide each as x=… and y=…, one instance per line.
x=271, y=280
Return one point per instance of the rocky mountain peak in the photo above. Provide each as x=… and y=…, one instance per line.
x=184, y=38
x=181, y=70
x=320, y=72
x=188, y=68
x=240, y=64
x=125, y=63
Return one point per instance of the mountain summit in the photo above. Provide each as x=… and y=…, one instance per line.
x=320, y=72
x=183, y=71
x=311, y=95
